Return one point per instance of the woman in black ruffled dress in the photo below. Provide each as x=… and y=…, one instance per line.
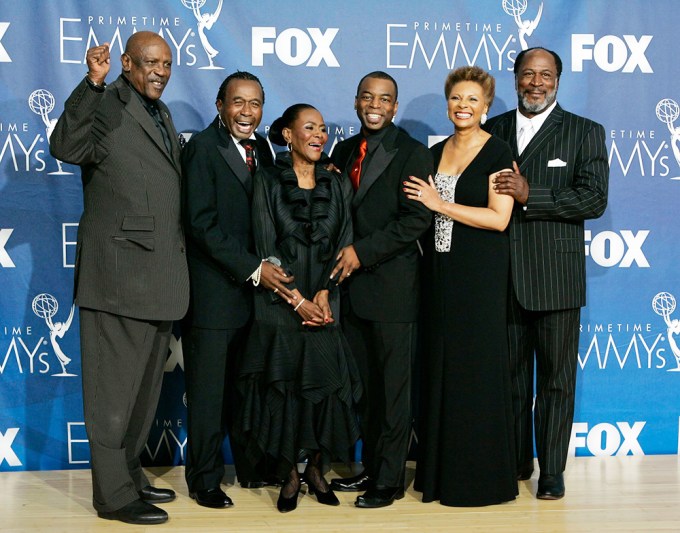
x=297, y=376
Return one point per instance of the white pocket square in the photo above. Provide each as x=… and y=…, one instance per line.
x=557, y=163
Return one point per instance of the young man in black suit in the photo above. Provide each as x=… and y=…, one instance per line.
x=560, y=179
x=131, y=278
x=380, y=302
x=218, y=165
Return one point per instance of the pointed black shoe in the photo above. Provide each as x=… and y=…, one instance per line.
x=285, y=505
x=151, y=494
x=213, y=498
x=358, y=483
x=550, y=487
x=136, y=512
x=379, y=496
x=326, y=498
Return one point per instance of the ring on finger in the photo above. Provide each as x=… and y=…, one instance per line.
x=420, y=193
x=276, y=290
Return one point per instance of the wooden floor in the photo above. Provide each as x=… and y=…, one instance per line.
x=603, y=494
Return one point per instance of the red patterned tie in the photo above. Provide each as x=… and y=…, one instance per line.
x=355, y=172
x=250, y=154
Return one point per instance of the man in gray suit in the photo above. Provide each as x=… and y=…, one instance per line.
x=560, y=179
x=131, y=278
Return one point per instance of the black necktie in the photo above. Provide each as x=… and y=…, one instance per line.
x=250, y=154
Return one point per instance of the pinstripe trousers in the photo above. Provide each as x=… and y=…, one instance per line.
x=550, y=339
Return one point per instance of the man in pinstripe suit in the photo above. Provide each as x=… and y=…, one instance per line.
x=131, y=277
x=560, y=179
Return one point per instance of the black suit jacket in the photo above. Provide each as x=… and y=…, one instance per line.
x=130, y=255
x=568, y=173
x=387, y=226
x=217, y=192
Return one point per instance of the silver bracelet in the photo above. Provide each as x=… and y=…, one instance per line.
x=256, y=275
x=298, y=305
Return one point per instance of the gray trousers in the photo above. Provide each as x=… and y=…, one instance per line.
x=122, y=365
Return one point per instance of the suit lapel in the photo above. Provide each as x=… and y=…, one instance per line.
x=379, y=161
x=542, y=137
x=232, y=157
x=172, y=132
x=135, y=108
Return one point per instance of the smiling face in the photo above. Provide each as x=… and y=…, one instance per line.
x=147, y=64
x=466, y=104
x=241, y=108
x=376, y=104
x=307, y=136
x=536, y=83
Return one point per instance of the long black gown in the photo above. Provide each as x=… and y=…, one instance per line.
x=466, y=445
x=299, y=384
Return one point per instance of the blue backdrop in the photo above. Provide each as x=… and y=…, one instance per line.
x=620, y=66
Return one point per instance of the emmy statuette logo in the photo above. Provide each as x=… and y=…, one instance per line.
x=205, y=21
x=517, y=8
x=45, y=306
x=668, y=111
x=41, y=102
x=664, y=304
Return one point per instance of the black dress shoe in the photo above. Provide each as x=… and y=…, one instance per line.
x=356, y=483
x=215, y=498
x=379, y=496
x=261, y=483
x=525, y=471
x=151, y=494
x=550, y=487
x=136, y=512
x=253, y=484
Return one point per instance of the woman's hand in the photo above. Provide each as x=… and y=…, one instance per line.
x=321, y=299
x=311, y=313
x=424, y=192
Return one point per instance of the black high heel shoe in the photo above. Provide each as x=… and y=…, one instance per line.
x=285, y=505
x=315, y=481
x=326, y=498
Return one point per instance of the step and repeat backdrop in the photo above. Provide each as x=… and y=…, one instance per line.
x=620, y=69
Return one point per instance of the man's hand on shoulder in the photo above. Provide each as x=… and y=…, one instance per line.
x=512, y=183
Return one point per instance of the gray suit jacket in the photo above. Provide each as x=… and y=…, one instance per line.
x=130, y=256
x=568, y=173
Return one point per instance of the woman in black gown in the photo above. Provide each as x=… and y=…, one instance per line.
x=466, y=455
x=297, y=376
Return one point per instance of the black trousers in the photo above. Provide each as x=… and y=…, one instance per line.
x=122, y=362
x=384, y=355
x=550, y=338
x=210, y=371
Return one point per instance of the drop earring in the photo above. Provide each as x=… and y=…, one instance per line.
x=483, y=119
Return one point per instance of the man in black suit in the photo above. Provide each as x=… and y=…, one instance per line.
x=380, y=302
x=131, y=278
x=560, y=179
x=218, y=166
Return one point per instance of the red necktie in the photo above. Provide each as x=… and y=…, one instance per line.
x=250, y=155
x=355, y=173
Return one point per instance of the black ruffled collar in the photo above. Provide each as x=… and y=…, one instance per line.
x=319, y=198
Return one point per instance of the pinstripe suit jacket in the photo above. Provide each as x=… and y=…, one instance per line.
x=568, y=173
x=130, y=257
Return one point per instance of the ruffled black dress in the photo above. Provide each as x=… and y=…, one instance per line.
x=299, y=384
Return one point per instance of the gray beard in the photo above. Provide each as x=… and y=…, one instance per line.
x=538, y=107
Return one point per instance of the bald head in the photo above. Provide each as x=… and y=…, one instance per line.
x=147, y=63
